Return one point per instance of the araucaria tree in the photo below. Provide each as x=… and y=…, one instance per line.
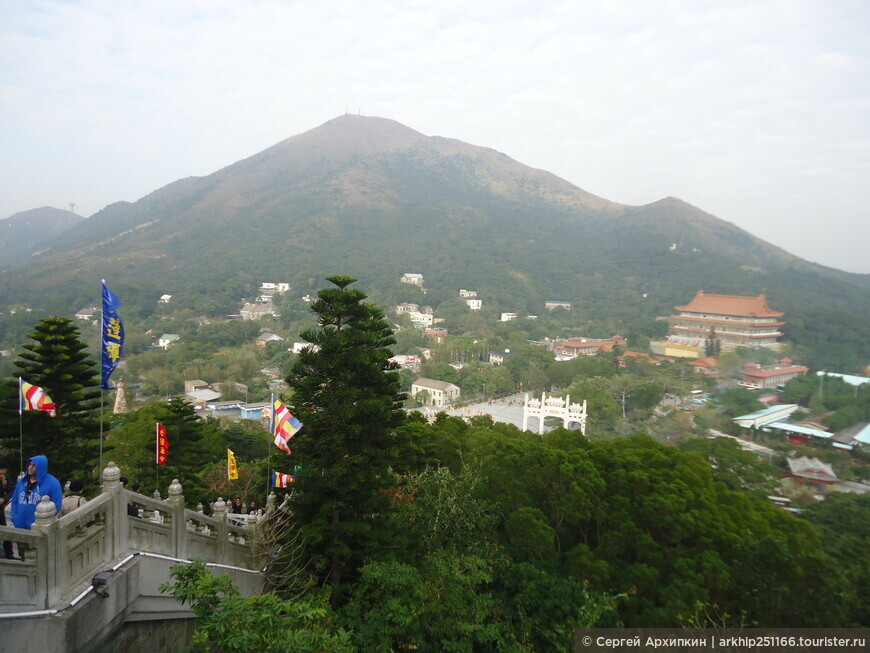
x=57, y=360
x=346, y=393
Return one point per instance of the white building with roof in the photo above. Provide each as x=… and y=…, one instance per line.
x=413, y=278
x=435, y=393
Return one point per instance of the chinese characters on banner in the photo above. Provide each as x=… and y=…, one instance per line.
x=162, y=445
x=232, y=468
x=113, y=335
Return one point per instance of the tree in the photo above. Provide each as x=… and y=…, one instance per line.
x=227, y=622
x=193, y=443
x=57, y=360
x=346, y=393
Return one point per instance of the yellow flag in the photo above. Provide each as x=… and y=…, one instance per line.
x=232, y=468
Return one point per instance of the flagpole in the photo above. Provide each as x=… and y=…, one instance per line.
x=102, y=392
x=269, y=450
x=20, y=428
x=100, y=470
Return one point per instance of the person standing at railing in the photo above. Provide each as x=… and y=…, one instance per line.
x=238, y=507
x=75, y=499
x=30, y=489
x=6, y=489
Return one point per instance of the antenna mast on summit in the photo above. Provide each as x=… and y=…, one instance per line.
x=72, y=207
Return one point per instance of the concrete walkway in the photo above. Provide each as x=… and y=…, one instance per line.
x=508, y=410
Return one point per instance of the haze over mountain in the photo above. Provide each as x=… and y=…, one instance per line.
x=371, y=198
x=25, y=233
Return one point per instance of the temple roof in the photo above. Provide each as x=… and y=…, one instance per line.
x=730, y=305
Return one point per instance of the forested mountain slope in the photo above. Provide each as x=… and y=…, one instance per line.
x=371, y=198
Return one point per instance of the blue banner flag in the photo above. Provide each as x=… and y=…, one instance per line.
x=113, y=334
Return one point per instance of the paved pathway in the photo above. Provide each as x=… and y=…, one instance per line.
x=508, y=410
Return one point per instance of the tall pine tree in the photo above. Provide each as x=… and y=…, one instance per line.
x=57, y=360
x=346, y=393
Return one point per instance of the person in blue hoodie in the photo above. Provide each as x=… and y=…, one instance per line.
x=30, y=489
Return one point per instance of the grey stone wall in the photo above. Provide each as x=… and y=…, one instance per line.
x=167, y=636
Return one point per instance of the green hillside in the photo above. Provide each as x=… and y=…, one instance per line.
x=370, y=198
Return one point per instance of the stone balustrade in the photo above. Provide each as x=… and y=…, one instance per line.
x=61, y=555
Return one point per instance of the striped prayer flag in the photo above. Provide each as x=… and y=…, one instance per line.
x=282, y=480
x=284, y=425
x=32, y=397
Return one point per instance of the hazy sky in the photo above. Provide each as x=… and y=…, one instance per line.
x=757, y=112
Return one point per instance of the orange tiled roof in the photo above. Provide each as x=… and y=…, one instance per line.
x=710, y=361
x=730, y=305
x=777, y=371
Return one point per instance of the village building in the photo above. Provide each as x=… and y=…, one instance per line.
x=413, y=278
x=268, y=337
x=165, y=299
x=499, y=357
x=467, y=294
x=474, y=304
x=86, y=314
x=435, y=393
x=552, y=304
x=573, y=347
x=627, y=358
x=508, y=317
x=766, y=416
x=770, y=376
x=421, y=320
x=407, y=307
x=857, y=435
x=851, y=379
x=437, y=335
x=256, y=311
x=167, y=340
x=708, y=367
x=812, y=472
x=269, y=288
x=734, y=320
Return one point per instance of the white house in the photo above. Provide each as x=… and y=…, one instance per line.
x=165, y=299
x=474, y=304
x=508, y=317
x=268, y=289
x=256, y=311
x=435, y=393
x=167, y=340
x=267, y=337
x=499, y=357
x=422, y=320
x=299, y=346
x=268, y=286
x=467, y=294
x=413, y=278
x=407, y=307
x=87, y=314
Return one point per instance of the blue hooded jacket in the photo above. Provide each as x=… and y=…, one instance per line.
x=24, y=503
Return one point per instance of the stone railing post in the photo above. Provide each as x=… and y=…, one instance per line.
x=116, y=511
x=179, y=523
x=271, y=500
x=219, y=512
x=48, y=555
